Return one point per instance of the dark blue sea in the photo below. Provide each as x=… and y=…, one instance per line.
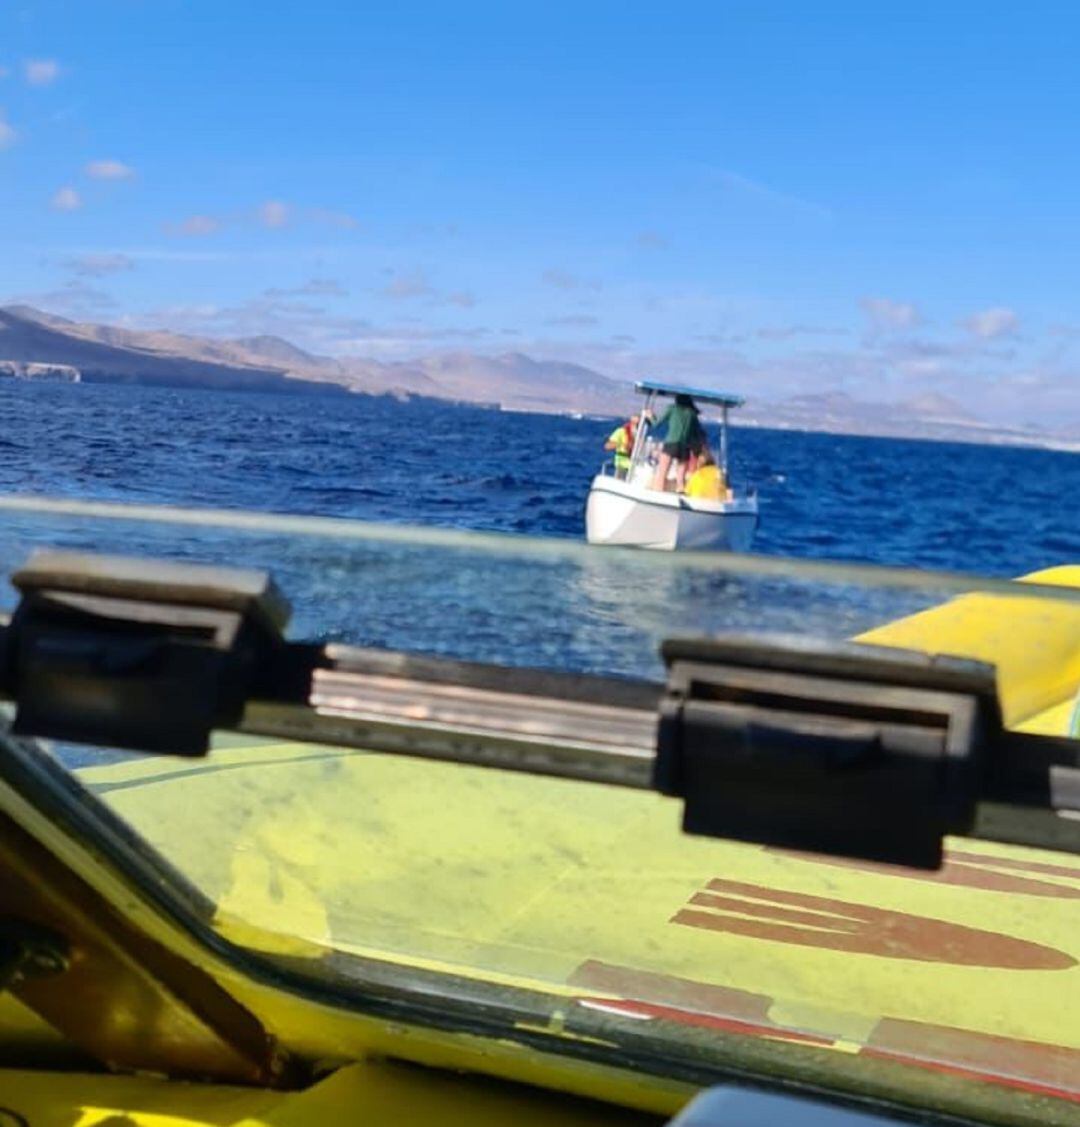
x=992, y=510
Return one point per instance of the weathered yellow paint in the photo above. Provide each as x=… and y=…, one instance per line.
x=518, y=879
x=521, y=881
x=375, y=1094
x=321, y=1031
x=1035, y=644
x=50, y=1099
x=36, y=1039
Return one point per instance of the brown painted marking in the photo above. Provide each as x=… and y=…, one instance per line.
x=837, y=925
x=670, y=990
x=1020, y=866
x=706, y=1021
x=968, y=870
x=648, y=994
x=1031, y=1065
x=976, y=1074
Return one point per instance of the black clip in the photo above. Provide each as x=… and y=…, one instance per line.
x=138, y=654
x=857, y=751
x=30, y=951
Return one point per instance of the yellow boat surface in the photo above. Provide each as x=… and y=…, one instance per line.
x=850, y=975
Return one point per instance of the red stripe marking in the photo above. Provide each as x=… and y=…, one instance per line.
x=966, y=870
x=967, y=1054
x=705, y=1021
x=1069, y=1094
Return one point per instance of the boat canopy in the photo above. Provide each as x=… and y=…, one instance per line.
x=705, y=395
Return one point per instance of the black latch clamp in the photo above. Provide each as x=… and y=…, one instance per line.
x=845, y=749
x=29, y=951
x=136, y=653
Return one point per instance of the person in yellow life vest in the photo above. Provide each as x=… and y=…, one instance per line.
x=707, y=481
x=621, y=440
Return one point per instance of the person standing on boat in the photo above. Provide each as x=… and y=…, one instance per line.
x=683, y=437
x=621, y=440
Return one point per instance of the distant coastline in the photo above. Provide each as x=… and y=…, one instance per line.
x=973, y=436
x=39, y=346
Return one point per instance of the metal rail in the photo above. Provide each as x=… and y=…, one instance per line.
x=444, y=710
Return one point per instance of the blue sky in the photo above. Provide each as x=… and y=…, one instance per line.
x=781, y=198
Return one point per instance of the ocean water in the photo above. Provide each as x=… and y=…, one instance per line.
x=991, y=510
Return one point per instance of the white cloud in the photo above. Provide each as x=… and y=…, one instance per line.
x=989, y=324
x=884, y=313
x=340, y=219
x=312, y=327
x=314, y=287
x=109, y=170
x=720, y=340
x=308, y=325
x=273, y=213
x=788, y=332
x=8, y=135
x=574, y=321
x=461, y=298
x=66, y=199
x=74, y=299
x=413, y=284
x=754, y=189
x=98, y=265
x=564, y=280
x=41, y=72
x=196, y=225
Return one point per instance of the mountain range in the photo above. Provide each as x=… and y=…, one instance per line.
x=106, y=354
x=510, y=381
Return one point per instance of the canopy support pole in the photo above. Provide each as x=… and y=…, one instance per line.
x=724, y=440
x=639, y=436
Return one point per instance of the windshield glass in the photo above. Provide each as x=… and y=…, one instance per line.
x=523, y=601
x=557, y=904
x=517, y=342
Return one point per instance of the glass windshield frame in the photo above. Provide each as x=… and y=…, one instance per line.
x=437, y=997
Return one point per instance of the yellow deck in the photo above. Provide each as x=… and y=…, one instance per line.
x=372, y=1094
x=592, y=894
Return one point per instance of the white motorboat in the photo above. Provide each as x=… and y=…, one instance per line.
x=626, y=508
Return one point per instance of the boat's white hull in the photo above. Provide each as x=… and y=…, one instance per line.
x=619, y=512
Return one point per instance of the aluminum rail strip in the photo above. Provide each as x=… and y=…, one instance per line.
x=594, y=742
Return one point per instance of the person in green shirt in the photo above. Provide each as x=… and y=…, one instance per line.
x=684, y=436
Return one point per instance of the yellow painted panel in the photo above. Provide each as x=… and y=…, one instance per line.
x=525, y=879
x=371, y=1094
x=1035, y=644
x=25, y=1036
x=594, y=894
x=49, y=1099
